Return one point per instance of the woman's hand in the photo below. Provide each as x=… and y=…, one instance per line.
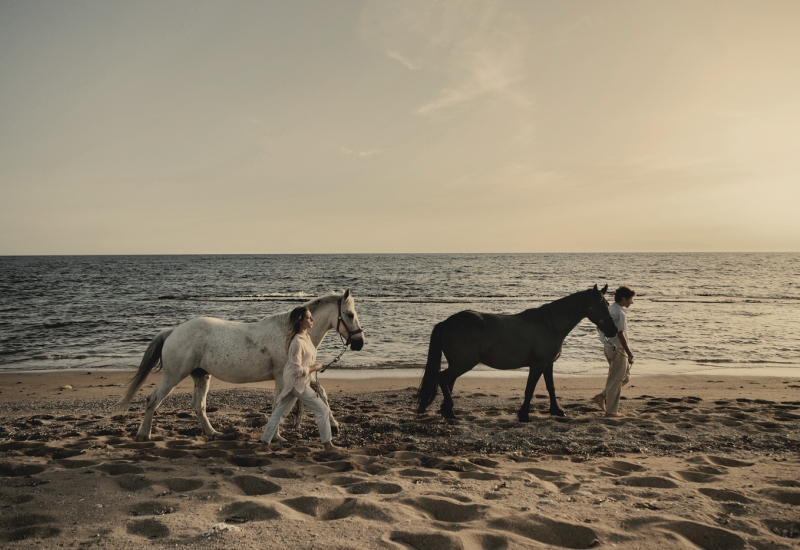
x=315, y=368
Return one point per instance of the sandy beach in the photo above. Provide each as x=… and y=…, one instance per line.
x=699, y=462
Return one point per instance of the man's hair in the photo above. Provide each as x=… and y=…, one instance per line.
x=623, y=292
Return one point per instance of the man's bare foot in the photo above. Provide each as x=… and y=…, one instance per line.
x=331, y=448
x=264, y=447
x=600, y=399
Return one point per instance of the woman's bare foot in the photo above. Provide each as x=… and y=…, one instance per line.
x=264, y=447
x=331, y=448
x=616, y=415
x=600, y=399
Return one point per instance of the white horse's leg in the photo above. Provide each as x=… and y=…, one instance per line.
x=153, y=401
x=201, y=385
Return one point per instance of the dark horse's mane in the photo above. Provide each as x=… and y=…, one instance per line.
x=545, y=311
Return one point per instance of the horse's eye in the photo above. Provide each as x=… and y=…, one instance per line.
x=350, y=315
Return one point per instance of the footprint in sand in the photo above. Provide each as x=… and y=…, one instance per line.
x=445, y=510
x=366, y=487
x=135, y=445
x=786, y=483
x=210, y=453
x=249, y=461
x=283, y=473
x=480, y=476
x=150, y=528
x=784, y=496
x=133, y=482
x=728, y=462
x=339, y=466
x=415, y=472
x=485, y=462
x=673, y=438
x=151, y=508
x=168, y=453
x=8, y=469
x=706, y=537
x=697, y=477
x=648, y=482
x=117, y=469
x=18, y=499
x=334, y=508
x=439, y=541
x=27, y=526
x=621, y=468
x=74, y=464
x=721, y=495
x=547, y=531
x=783, y=528
x=239, y=512
x=254, y=486
x=182, y=485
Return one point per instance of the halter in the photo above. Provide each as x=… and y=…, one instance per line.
x=350, y=333
x=340, y=321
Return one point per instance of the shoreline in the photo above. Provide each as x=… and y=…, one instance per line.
x=103, y=383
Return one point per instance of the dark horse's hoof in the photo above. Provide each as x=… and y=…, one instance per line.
x=557, y=412
x=448, y=414
x=524, y=417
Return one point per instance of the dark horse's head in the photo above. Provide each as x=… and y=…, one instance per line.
x=598, y=312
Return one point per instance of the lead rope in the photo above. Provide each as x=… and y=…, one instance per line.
x=344, y=349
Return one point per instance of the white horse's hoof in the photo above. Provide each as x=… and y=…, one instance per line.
x=278, y=439
x=215, y=434
x=140, y=437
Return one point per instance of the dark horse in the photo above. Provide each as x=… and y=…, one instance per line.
x=531, y=339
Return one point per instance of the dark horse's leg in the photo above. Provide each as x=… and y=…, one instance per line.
x=533, y=377
x=446, y=381
x=551, y=389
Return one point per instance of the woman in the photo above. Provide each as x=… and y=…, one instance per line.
x=297, y=379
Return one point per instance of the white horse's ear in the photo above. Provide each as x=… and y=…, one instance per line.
x=346, y=295
x=604, y=289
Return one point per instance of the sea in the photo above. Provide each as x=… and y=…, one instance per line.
x=705, y=313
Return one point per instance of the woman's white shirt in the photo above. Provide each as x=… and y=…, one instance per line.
x=302, y=355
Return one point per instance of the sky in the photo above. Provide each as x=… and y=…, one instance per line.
x=171, y=127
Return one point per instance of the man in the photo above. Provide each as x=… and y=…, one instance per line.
x=618, y=354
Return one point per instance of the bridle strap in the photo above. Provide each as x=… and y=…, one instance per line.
x=340, y=321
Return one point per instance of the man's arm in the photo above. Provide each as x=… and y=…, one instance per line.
x=624, y=342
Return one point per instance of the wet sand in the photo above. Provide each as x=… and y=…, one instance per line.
x=700, y=462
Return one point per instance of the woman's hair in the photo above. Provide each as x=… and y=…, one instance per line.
x=296, y=317
x=622, y=293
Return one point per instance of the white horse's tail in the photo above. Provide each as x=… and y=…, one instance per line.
x=152, y=356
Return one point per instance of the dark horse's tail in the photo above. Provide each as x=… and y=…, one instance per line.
x=152, y=356
x=430, y=380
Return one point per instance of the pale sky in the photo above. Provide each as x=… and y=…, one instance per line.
x=360, y=126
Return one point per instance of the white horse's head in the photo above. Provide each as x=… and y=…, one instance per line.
x=337, y=311
x=347, y=323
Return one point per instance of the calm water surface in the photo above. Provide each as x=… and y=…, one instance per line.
x=693, y=311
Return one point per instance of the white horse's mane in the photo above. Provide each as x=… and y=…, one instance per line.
x=332, y=296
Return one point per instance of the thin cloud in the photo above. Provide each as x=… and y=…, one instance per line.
x=402, y=59
x=486, y=74
x=361, y=154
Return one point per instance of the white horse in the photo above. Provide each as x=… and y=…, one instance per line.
x=234, y=352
